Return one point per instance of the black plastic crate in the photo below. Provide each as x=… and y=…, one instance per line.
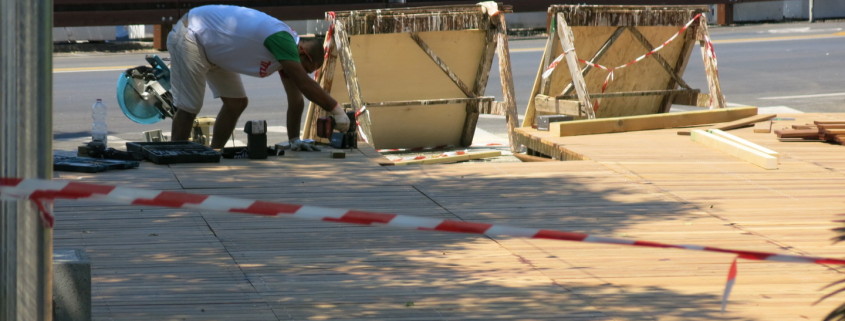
x=174, y=152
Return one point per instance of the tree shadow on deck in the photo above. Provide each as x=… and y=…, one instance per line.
x=175, y=264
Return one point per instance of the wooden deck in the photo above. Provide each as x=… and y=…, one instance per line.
x=164, y=264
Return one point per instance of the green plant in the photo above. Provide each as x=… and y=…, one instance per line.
x=837, y=314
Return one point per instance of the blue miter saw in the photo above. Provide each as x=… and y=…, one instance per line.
x=143, y=92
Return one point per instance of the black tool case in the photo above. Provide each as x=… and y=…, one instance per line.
x=174, y=152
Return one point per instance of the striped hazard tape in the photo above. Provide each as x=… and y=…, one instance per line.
x=47, y=190
x=43, y=191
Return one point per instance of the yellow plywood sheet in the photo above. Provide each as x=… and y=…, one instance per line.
x=416, y=126
x=392, y=67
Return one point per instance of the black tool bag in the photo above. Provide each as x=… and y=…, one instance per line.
x=256, y=139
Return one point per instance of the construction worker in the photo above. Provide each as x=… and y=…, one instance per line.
x=217, y=43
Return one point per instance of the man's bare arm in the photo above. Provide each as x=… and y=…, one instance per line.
x=309, y=87
x=295, y=106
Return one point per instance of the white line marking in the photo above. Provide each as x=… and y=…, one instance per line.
x=778, y=110
x=806, y=96
x=803, y=30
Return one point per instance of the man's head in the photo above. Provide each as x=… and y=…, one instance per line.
x=311, y=53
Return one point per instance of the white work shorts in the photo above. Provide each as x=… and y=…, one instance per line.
x=190, y=70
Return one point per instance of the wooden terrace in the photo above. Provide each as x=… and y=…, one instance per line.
x=152, y=263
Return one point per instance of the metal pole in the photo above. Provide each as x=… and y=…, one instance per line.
x=26, y=245
x=811, y=10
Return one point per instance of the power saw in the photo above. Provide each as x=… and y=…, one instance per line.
x=143, y=92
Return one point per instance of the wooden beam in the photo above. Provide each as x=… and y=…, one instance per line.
x=470, y=122
x=744, y=142
x=539, y=86
x=739, y=123
x=697, y=99
x=646, y=122
x=325, y=77
x=829, y=122
x=735, y=149
x=426, y=102
x=567, y=42
x=553, y=106
x=506, y=80
x=636, y=93
x=687, y=45
x=487, y=54
x=807, y=133
x=546, y=82
x=350, y=74
x=442, y=65
x=530, y=158
x=713, y=83
x=160, y=32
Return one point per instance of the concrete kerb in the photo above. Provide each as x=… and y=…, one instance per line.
x=71, y=285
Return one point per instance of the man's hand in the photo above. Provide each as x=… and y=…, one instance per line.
x=341, y=120
x=297, y=144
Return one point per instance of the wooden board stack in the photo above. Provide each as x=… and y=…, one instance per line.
x=829, y=131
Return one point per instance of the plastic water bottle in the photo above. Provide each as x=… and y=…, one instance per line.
x=99, y=130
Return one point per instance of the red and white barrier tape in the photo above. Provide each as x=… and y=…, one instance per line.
x=41, y=191
x=413, y=149
x=729, y=284
x=327, y=43
x=421, y=157
x=47, y=190
x=435, y=148
x=610, y=76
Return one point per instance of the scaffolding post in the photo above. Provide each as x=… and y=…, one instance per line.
x=26, y=245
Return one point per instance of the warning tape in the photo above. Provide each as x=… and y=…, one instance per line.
x=47, y=190
x=421, y=157
x=610, y=76
x=414, y=149
x=43, y=191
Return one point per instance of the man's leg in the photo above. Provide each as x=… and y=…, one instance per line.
x=227, y=119
x=188, y=70
x=180, y=129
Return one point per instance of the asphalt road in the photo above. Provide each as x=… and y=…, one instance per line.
x=785, y=67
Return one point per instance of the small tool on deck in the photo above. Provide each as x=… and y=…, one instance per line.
x=326, y=129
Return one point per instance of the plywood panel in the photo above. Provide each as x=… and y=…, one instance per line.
x=614, y=37
x=393, y=67
x=421, y=126
x=644, y=75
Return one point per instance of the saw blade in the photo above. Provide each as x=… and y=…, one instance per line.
x=133, y=105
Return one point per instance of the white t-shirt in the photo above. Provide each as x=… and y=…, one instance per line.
x=233, y=38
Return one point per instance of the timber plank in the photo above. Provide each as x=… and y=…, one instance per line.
x=647, y=122
x=741, y=151
x=739, y=123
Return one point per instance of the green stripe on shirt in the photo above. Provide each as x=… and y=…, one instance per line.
x=282, y=46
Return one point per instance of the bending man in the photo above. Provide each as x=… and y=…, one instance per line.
x=214, y=44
